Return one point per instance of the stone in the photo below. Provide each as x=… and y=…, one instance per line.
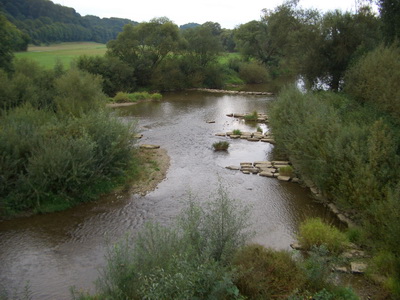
x=253, y=139
x=221, y=134
x=246, y=164
x=251, y=170
x=296, y=246
x=340, y=269
x=138, y=136
x=276, y=175
x=271, y=141
x=295, y=180
x=210, y=122
x=353, y=253
x=264, y=162
x=148, y=146
x=234, y=136
x=284, y=178
x=266, y=174
x=358, y=267
x=234, y=168
x=333, y=208
x=238, y=115
x=229, y=115
x=245, y=172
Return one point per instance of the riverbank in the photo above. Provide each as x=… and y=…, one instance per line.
x=154, y=165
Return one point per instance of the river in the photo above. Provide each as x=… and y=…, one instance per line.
x=56, y=251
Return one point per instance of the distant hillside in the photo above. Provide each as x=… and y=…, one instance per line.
x=188, y=25
x=46, y=22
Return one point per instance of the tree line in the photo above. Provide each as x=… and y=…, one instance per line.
x=45, y=22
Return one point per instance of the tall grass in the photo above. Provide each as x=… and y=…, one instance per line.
x=189, y=260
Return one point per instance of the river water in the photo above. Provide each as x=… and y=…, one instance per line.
x=53, y=252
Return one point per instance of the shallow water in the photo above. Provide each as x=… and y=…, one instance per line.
x=56, y=251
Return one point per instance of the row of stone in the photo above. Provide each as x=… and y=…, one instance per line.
x=265, y=169
x=261, y=118
x=234, y=92
x=250, y=136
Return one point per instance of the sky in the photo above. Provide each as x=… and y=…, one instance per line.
x=228, y=13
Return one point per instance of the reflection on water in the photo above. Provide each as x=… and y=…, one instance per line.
x=56, y=251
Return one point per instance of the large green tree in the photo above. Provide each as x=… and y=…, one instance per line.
x=11, y=39
x=144, y=46
x=390, y=14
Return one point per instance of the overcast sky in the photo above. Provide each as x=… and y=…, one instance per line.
x=228, y=13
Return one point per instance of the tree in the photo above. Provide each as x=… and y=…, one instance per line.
x=203, y=43
x=390, y=14
x=144, y=46
x=10, y=39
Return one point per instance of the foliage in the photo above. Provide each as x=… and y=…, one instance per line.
x=116, y=74
x=389, y=11
x=122, y=97
x=382, y=88
x=221, y=146
x=10, y=38
x=253, y=73
x=314, y=232
x=349, y=150
x=251, y=117
x=78, y=92
x=266, y=274
x=236, y=132
x=144, y=46
x=58, y=146
x=286, y=171
x=46, y=22
x=186, y=261
x=59, y=161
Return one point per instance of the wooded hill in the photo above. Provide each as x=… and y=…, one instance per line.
x=46, y=22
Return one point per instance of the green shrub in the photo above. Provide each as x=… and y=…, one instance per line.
x=189, y=260
x=251, y=117
x=286, y=171
x=265, y=273
x=221, y=146
x=253, y=72
x=259, y=129
x=314, y=232
x=122, y=97
x=237, y=132
x=381, y=88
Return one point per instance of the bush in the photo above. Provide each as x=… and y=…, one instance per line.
x=121, y=97
x=253, y=73
x=51, y=163
x=221, y=146
x=286, y=171
x=189, y=260
x=265, y=273
x=251, y=117
x=314, y=232
x=237, y=132
x=381, y=88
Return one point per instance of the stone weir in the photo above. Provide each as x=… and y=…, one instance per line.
x=233, y=92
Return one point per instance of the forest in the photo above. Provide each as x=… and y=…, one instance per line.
x=341, y=131
x=43, y=22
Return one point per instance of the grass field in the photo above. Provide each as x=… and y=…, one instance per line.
x=64, y=52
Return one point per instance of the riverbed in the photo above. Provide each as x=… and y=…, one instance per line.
x=56, y=251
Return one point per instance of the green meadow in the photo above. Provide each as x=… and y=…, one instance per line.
x=47, y=56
